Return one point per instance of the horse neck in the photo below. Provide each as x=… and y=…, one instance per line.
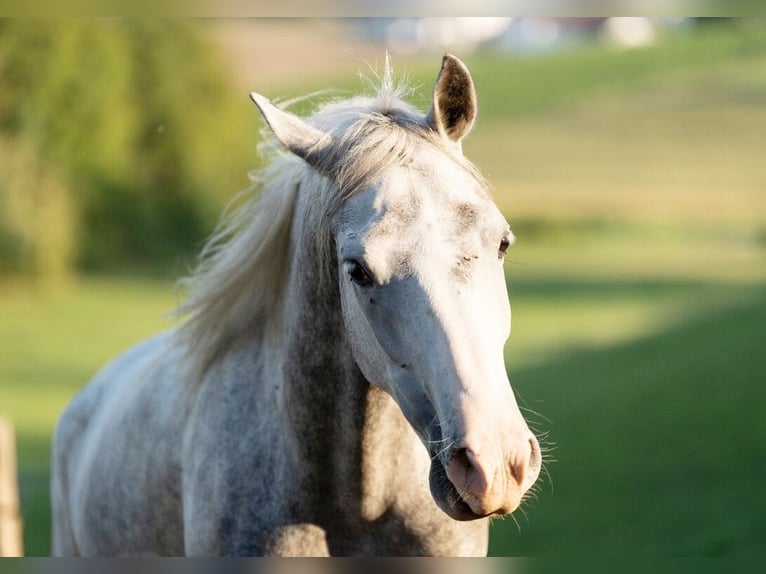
x=339, y=422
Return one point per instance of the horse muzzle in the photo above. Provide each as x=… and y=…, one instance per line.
x=473, y=484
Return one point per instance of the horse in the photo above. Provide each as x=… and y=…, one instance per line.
x=337, y=386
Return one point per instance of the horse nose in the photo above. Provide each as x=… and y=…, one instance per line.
x=467, y=474
x=494, y=488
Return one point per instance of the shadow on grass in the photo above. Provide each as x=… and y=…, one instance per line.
x=623, y=289
x=659, y=444
x=34, y=479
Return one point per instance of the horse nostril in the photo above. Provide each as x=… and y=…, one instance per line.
x=465, y=473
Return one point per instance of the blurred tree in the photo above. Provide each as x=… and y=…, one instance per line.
x=138, y=120
x=36, y=216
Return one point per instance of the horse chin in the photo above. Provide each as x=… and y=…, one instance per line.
x=446, y=496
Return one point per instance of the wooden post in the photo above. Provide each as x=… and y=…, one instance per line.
x=10, y=517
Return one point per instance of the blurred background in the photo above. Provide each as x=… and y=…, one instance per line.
x=627, y=153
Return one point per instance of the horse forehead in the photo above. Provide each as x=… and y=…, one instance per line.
x=429, y=194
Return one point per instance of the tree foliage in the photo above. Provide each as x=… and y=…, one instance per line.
x=132, y=136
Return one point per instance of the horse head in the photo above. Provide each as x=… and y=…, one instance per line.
x=419, y=247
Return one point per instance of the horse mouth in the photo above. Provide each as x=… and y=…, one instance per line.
x=446, y=496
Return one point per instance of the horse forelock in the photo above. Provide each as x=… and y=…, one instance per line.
x=238, y=286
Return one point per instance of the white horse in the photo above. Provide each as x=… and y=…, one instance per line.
x=339, y=386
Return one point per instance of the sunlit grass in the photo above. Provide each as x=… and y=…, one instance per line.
x=552, y=318
x=683, y=149
x=51, y=343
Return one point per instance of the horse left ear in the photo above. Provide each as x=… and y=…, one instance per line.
x=454, y=105
x=296, y=135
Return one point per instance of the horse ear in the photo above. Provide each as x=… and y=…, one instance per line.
x=295, y=134
x=454, y=106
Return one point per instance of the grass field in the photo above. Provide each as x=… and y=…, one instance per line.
x=636, y=187
x=659, y=439
x=51, y=343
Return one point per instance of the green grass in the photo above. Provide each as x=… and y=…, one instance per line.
x=659, y=441
x=517, y=88
x=650, y=389
x=51, y=343
x=635, y=185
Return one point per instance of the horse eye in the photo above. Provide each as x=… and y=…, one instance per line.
x=358, y=274
x=504, y=243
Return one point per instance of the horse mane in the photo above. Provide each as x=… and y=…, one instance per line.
x=237, y=288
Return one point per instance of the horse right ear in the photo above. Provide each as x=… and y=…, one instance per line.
x=453, y=109
x=296, y=135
